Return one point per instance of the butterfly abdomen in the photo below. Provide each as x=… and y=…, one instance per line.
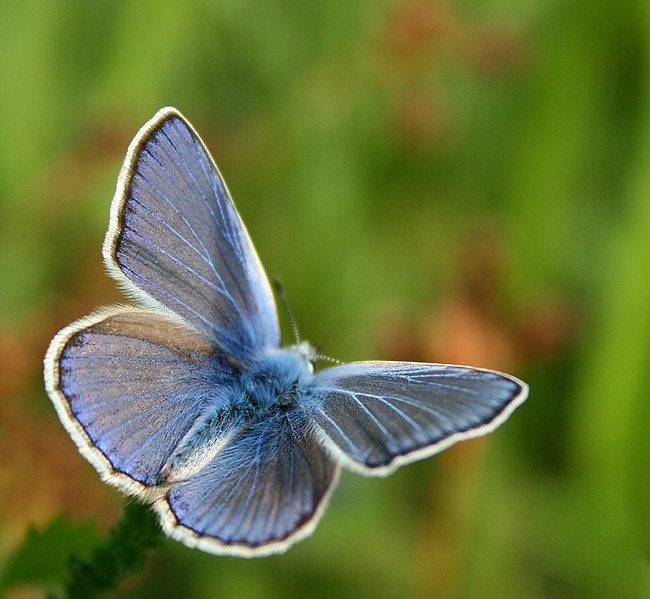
x=273, y=385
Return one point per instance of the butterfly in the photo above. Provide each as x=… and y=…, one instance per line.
x=190, y=403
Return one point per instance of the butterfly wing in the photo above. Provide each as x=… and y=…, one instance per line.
x=266, y=489
x=377, y=416
x=127, y=385
x=176, y=238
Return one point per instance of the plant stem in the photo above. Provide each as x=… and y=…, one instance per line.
x=123, y=553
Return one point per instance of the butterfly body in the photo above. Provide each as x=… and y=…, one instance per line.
x=189, y=402
x=276, y=383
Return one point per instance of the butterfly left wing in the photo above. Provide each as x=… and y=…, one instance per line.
x=128, y=384
x=176, y=238
x=377, y=416
x=264, y=490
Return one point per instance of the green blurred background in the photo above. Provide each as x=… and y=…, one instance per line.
x=438, y=180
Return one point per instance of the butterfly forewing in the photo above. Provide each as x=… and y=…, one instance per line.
x=176, y=236
x=376, y=416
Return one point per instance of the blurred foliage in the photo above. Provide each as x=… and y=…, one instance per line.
x=123, y=553
x=42, y=558
x=440, y=180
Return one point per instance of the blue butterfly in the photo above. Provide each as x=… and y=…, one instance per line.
x=190, y=403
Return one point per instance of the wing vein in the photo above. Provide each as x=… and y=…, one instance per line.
x=355, y=448
x=166, y=198
x=207, y=259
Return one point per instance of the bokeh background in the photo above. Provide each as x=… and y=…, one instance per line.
x=438, y=180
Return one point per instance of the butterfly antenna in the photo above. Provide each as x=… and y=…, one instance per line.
x=279, y=290
x=320, y=356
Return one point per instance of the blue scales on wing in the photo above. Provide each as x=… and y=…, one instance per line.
x=269, y=483
x=135, y=381
x=176, y=236
x=376, y=416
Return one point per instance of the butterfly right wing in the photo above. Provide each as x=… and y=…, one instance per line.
x=266, y=489
x=377, y=416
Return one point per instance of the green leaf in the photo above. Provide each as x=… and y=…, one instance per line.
x=43, y=556
x=123, y=553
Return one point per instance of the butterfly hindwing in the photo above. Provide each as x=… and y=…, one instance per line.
x=265, y=489
x=128, y=384
x=176, y=237
x=376, y=416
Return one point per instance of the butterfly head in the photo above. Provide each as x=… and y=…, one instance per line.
x=306, y=352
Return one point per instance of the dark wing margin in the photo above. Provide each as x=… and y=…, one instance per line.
x=127, y=384
x=377, y=416
x=266, y=489
x=176, y=240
